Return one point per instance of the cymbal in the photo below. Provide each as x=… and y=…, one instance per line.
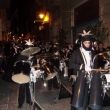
x=30, y=51
x=51, y=76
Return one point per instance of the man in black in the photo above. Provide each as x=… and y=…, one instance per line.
x=23, y=66
x=81, y=63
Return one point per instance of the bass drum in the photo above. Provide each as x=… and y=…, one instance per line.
x=96, y=92
x=21, y=72
x=80, y=93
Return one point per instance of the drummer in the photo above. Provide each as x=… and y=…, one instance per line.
x=81, y=60
x=24, y=91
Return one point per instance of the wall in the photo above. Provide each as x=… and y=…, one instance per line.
x=0, y=29
x=68, y=19
x=67, y=14
x=4, y=22
x=105, y=17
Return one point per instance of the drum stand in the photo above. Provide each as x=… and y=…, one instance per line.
x=35, y=104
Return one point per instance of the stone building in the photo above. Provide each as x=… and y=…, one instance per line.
x=105, y=16
x=69, y=9
x=4, y=22
x=68, y=17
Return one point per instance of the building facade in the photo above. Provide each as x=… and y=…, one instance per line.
x=4, y=22
x=90, y=11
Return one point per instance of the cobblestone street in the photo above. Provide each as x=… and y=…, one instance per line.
x=46, y=99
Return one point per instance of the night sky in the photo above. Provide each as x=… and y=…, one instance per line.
x=22, y=13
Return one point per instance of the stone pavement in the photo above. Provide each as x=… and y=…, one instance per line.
x=47, y=99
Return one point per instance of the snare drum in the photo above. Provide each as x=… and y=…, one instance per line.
x=50, y=72
x=21, y=72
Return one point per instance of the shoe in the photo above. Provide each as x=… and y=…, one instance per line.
x=19, y=106
x=30, y=103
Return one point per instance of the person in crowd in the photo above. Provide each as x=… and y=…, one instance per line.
x=101, y=55
x=9, y=52
x=81, y=63
x=101, y=47
x=94, y=45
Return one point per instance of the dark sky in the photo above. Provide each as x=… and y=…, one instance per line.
x=4, y=3
x=86, y=12
x=22, y=14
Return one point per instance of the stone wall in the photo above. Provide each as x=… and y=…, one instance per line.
x=0, y=29
x=67, y=7
x=105, y=17
x=68, y=16
x=4, y=24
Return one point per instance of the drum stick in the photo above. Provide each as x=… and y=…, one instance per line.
x=104, y=70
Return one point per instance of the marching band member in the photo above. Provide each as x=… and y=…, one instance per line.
x=24, y=90
x=81, y=61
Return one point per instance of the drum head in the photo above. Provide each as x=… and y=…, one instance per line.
x=21, y=78
x=51, y=76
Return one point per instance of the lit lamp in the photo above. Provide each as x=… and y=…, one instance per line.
x=46, y=18
x=41, y=15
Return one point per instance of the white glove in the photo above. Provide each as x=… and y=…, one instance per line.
x=87, y=68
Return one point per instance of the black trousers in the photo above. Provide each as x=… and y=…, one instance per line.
x=24, y=94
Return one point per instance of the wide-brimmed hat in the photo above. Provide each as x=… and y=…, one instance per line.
x=86, y=36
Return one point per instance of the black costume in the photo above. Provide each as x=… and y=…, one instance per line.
x=81, y=96
x=24, y=92
x=76, y=61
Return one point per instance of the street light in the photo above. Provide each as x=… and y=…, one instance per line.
x=45, y=18
x=41, y=15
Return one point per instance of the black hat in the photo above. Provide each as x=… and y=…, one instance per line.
x=87, y=38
